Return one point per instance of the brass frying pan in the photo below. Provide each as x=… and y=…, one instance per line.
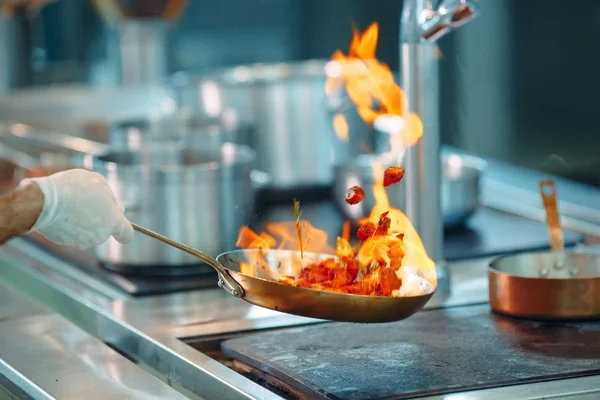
x=558, y=284
x=294, y=300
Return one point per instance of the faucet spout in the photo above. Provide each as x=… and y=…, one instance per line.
x=449, y=15
x=421, y=25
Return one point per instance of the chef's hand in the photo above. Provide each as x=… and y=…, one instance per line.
x=80, y=210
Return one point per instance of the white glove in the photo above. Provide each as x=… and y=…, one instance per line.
x=80, y=210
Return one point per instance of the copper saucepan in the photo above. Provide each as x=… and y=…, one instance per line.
x=555, y=284
x=304, y=302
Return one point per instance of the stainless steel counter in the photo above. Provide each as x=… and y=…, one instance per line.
x=155, y=331
x=44, y=356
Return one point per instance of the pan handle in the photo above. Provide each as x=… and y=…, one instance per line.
x=51, y=140
x=24, y=161
x=18, y=158
x=548, y=193
x=226, y=282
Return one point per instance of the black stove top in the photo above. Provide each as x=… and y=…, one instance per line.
x=433, y=352
x=488, y=233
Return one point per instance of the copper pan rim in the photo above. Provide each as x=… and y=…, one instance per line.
x=517, y=289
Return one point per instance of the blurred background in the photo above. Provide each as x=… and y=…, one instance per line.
x=518, y=84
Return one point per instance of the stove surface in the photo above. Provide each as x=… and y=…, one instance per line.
x=433, y=352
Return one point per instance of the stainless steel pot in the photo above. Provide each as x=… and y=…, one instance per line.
x=196, y=131
x=460, y=186
x=200, y=197
x=293, y=117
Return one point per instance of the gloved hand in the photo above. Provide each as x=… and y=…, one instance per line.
x=80, y=210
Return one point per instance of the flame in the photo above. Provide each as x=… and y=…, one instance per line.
x=370, y=85
x=379, y=99
x=314, y=240
x=346, y=231
x=248, y=239
x=341, y=127
x=415, y=254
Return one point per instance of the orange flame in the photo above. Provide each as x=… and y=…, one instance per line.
x=341, y=126
x=370, y=85
x=369, y=82
x=248, y=239
x=415, y=254
x=346, y=231
x=313, y=241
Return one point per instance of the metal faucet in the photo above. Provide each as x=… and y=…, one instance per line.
x=140, y=51
x=421, y=24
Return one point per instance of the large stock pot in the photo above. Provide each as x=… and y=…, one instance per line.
x=200, y=197
x=292, y=117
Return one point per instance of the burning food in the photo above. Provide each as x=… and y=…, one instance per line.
x=392, y=175
x=355, y=195
x=366, y=231
x=372, y=268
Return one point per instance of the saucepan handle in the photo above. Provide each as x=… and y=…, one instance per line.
x=53, y=141
x=18, y=158
x=28, y=162
x=548, y=193
x=74, y=149
x=226, y=281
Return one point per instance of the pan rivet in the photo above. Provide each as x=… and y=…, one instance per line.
x=234, y=292
x=574, y=271
x=220, y=283
x=559, y=264
x=544, y=272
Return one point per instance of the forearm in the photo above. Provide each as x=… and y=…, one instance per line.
x=19, y=210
